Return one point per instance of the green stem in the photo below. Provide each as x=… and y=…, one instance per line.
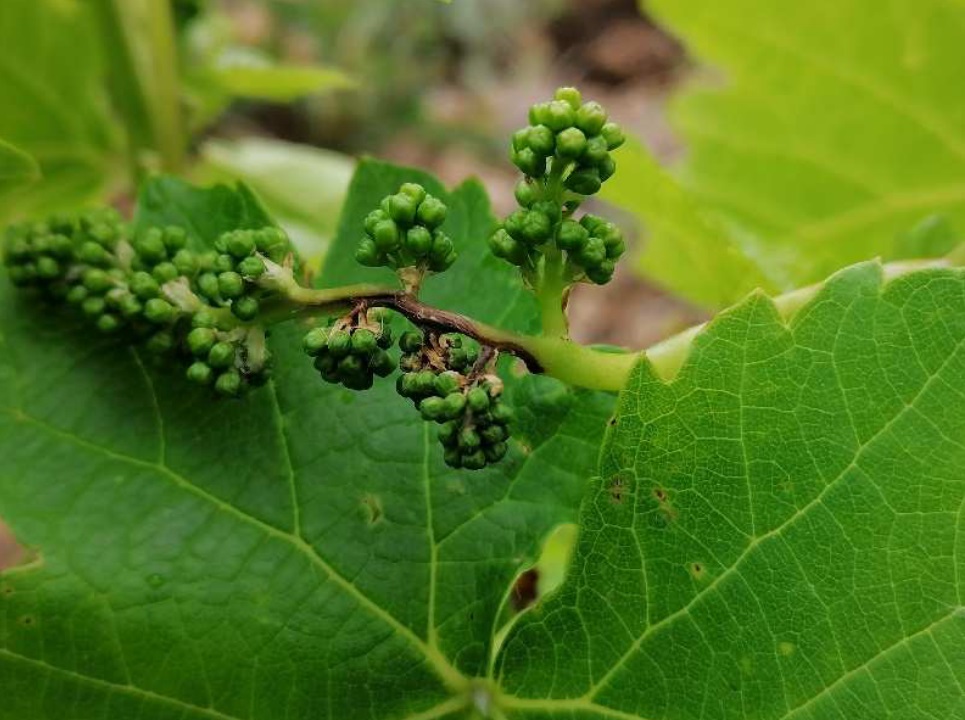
x=551, y=287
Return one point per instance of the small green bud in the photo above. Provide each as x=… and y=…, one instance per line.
x=75, y=296
x=208, y=286
x=432, y=408
x=441, y=247
x=221, y=355
x=535, y=228
x=47, y=268
x=478, y=399
x=538, y=113
x=585, y=181
x=453, y=458
x=201, y=340
x=97, y=281
x=448, y=433
x=526, y=193
x=559, y=115
x=231, y=284
x=367, y=254
x=326, y=364
x=363, y=342
x=613, y=134
x=469, y=439
x=602, y=273
x=447, y=382
x=455, y=403
x=61, y=246
x=411, y=341
x=541, y=140
x=150, y=246
x=432, y=212
x=550, y=209
x=520, y=139
x=606, y=168
x=385, y=338
x=592, y=253
x=572, y=236
x=495, y=452
x=204, y=319
x=251, y=267
x=350, y=365
x=129, y=307
x=228, y=383
x=425, y=382
x=108, y=323
x=381, y=363
x=414, y=191
x=492, y=434
x=186, y=262
x=503, y=414
x=93, y=254
x=418, y=241
x=240, y=244
x=246, y=308
x=224, y=263
x=591, y=117
x=595, y=151
x=529, y=162
x=159, y=311
x=570, y=143
x=339, y=343
x=402, y=209
x=373, y=219
x=175, y=238
x=503, y=246
x=474, y=460
x=569, y=95
x=200, y=373
x=315, y=341
x=386, y=236
x=160, y=343
x=406, y=385
x=165, y=272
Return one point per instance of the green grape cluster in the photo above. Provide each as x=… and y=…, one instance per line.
x=568, y=133
x=405, y=232
x=171, y=299
x=565, y=154
x=440, y=377
x=351, y=351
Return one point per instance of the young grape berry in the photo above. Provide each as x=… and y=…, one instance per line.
x=352, y=351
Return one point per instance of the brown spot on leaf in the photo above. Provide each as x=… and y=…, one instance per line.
x=698, y=570
x=525, y=590
x=371, y=509
x=660, y=494
x=27, y=620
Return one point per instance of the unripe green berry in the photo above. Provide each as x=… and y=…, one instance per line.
x=240, y=244
x=402, y=209
x=231, y=284
x=326, y=364
x=165, y=272
x=246, y=308
x=469, y=439
x=569, y=95
x=571, y=236
x=350, y=365
x=200, y=373
x=585, y=181
x=201, y=340
x=204, y=319
x=384, y=339
x=221, y=355
x=367, y=254
x=541, y=140
x=455, y=404
x=363, y=342
x=381, y=363
x=613, y=134
x=478, y=399
x=606, y=167
x=503, y=413
x=432, y=212
x=386, y=236
x=160, y=343
x=453, y=458
x=97, y=281
x=418, y=241
x=492, y=434
x=224, y=263
x=47, y=268
x=406, y=385
x=526, y=193
x=129, y=307
x=411, y=341
x=425, y=382
x=315, y=340
x=591, y=117
x=448, y=433
x=159, y=311
x=228, y=383
x=570, y=143
x=93, y=254
x=414, y=191
x=75, y=296
x=339, y=343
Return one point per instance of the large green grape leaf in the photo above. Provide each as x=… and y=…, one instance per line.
x=778, y=529
x=830, y=128
x=303, y=553
x=54, y=103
